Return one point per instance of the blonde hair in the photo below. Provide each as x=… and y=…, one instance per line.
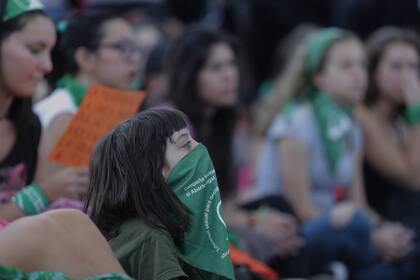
x=289, y=83
x=298, y=72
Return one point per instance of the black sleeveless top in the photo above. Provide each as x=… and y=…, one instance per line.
x=390, y=198
x=18, y=168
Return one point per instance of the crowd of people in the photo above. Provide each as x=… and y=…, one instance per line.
x=317, y=175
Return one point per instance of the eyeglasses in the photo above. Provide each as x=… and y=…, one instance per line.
x=125, y=47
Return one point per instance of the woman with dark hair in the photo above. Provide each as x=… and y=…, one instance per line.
x=204, y=83
x=98, y=48
x=26, y=38
x=36, y=243
x=153, y=194
x=390, y=121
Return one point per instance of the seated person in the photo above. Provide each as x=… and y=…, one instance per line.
x=154, y=195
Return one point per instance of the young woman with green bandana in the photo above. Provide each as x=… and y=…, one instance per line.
x=26, y=38
x=153, y=193
x=311, y=156
x=98, y=48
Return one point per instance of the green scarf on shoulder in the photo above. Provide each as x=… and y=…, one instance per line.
x=77, y=90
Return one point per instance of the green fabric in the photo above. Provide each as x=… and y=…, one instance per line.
x=146, y=253
x=335, y=125
x=334, y=121
x=77, y=90
x=31, y=199
x=206, y=244
x=11, y=273
x=15, y=8
x=318, y=44
x=413, y=114
x=265, y=89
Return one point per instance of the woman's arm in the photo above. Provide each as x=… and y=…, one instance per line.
x=54, y=182
x=51, y=136
x=10, y=211
x=57, y=180
x=295, y=178
x=281, y=228
x=401, y=162
x=392, y=240
x=357, y=192
x=36, y=243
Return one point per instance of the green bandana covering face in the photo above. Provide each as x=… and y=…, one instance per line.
x=334, y=121
x=206, y=244
x=15, y=8
x=77, y=90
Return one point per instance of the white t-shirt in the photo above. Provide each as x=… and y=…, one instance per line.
x=58, y=102
x=300, y=125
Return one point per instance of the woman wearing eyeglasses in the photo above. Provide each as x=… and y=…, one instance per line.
x=98, y=48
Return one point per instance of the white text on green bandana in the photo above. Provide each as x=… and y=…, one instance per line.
x=206, y=244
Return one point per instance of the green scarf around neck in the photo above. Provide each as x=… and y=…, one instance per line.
x=77, y=90
x=335, y=125
x=334, y=121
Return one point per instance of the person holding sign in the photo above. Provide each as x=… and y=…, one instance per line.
x=36, y=243
x=26, y=38
x=153, y=193
x=98, y=48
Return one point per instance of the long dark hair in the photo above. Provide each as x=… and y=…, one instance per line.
x=377, y=43
x=126, y=179
x=187, y=57
x=20, y=111
x=84, y=29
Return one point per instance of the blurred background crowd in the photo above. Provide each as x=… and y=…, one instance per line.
x=310, y=111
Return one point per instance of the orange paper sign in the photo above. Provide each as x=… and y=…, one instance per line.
x=101, y=110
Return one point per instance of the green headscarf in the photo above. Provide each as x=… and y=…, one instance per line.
x=15, y=8
x=333, y=120
x=318, y=44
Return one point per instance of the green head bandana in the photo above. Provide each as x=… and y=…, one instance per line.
x=334, y=121
x=318, y=44
x=77, y=90
x=206, y=244
x=15, y=8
